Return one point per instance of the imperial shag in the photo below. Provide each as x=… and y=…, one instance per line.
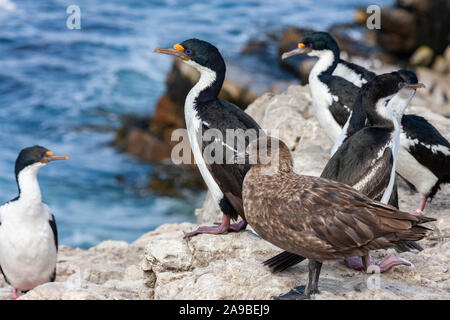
x=28, y=235
x=424, y=154
x=205, y=111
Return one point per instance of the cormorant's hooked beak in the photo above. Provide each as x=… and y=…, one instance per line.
x=414, y=86
x=302, y=48
x=177, y=51
x=50, y=157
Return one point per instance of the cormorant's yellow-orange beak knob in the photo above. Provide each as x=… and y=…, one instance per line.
x=49, y=156
x=178, y=47
x=177, y=51
x=301, y=48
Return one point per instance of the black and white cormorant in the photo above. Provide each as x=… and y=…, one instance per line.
x=28, y=235
x=204, y=111
x=367, y=160
x=424, y=154
x=333, y=96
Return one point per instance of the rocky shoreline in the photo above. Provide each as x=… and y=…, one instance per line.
x=163, y=265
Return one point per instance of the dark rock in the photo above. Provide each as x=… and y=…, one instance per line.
x=347, y=44
x=421, y=6
x=171, y=180
x=134, y=137
x=167, y=117
x=398, y=32
x=413, y=23
x=399, y=20
x=254, y=46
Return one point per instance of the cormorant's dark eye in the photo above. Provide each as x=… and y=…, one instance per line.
x=41, y=155
x=309, y=45
x=188, y=51
x=401, y=85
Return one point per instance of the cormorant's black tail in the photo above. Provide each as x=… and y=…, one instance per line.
x=282, y=261
x=408, y=246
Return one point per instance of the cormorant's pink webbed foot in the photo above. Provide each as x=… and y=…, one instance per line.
x=364, y=263
x=238, y=226
x=389, y=262
x=224, y=227
x=386, y=264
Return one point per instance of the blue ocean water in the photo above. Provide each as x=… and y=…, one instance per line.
x=66, y=90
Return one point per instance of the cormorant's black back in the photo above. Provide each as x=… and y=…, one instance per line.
x=229, y=177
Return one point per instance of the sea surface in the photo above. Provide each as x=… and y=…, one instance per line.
x=67, y=90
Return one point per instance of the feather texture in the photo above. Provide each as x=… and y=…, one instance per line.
x=322, y=219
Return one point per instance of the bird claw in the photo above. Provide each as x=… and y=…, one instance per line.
x=355, y=263
x=390, y=261
x=239, y=226
x=210, y=230
x=223, y=228
x=297, y=293
x=417, y=213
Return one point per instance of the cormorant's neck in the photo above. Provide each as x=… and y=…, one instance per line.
x=357, y=119
x=327, y=63
x=399, y=103
x=379, y=113
x=28, y=184
x=210, y=83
